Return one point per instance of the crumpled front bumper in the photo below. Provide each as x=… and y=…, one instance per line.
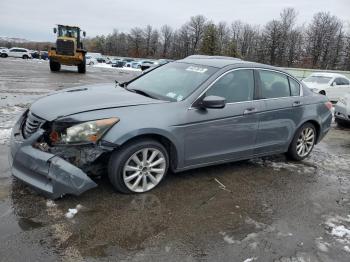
x=47, y=173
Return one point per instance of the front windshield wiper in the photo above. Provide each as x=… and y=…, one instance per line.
x=141, y=92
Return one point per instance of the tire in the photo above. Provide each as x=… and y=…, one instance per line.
x=4, y=55
x=304, y=139
x=55, y=66
x=25, y=57
x=82, y=66
x=341, y=122
x=322, y=92
x=140, y=172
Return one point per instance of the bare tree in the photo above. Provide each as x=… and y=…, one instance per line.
x=196, y=30
x=166, y=35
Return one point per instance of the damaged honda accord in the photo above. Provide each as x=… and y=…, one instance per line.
x=191, y=113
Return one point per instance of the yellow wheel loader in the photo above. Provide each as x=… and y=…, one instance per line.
x=69, y=49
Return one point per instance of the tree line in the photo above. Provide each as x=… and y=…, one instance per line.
x=323, y=43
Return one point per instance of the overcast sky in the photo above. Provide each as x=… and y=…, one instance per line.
x=34, y=19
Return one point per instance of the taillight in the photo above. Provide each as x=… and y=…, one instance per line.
x=329, y=105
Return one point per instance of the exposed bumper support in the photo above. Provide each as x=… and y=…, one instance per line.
x=49, y=174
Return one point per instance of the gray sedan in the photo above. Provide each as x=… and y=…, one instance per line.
x=191, y=113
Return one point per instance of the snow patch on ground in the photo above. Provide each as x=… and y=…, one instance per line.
x=73, y=211
x=8, y=117
x=5, y=135
x=228, y=239
x=257, y=225
x=322, y=246
x=347, y=249
x=103, y=65
x=50, y=203
x=339, y=228
x=250, y=259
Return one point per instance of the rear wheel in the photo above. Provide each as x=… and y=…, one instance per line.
x=55, y=66
x=322, y=92
x=82, y=66
x=303, y=142
x=138, y=167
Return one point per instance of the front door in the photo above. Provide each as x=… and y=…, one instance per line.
x=214, y=135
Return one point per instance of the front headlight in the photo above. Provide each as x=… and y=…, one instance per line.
x=87, y=132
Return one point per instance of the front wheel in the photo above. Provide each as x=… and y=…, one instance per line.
x=55, y=66
x=82, y=67
x=303, y=142
x=4, y=55
x=138, y=167
x=25, y=57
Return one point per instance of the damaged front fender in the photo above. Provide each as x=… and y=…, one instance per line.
x=46, y=172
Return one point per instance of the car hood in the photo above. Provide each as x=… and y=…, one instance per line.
x=87, y=98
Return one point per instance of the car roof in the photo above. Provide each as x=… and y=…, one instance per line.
x=224, y=61
x=327, y=74
x=214, y=61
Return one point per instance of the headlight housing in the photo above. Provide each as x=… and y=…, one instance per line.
x=86, y=132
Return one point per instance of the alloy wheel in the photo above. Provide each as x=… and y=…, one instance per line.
x=144, y=170
x=305, y=142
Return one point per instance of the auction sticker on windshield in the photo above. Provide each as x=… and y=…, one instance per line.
x=197, y=69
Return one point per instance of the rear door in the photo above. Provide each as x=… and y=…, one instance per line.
x=281, y=111
x=213, y=135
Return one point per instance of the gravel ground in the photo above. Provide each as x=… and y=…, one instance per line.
x=265, y=209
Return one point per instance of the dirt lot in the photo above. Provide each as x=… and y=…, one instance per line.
x=266, y=209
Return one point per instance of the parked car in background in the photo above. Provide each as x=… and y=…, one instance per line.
x=139, y=64
x=342, y=110
x=162, y=61
x=90, y=60
x=17, y=52
x=44, y=55
x=332, y=85
x=118, y=63
x=3, y=49
x=191, y=113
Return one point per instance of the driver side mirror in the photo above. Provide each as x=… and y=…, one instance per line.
x=55, y=30
x=215, y=102
x=84, y=33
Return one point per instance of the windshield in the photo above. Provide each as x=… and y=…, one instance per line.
x=68, y=32
x=318, y=79
x=174, y=81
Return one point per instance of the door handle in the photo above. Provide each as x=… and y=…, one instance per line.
x=250, y=110
x=296, y=103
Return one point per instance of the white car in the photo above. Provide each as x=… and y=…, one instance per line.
x=90, y=60
x=332, y=85
x=17, y=52
x=342, y=110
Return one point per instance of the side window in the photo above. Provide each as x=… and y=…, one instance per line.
x=345, y=81
x=294, y=87
x=338, y=81
x=273, y=84
x=236, y=86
